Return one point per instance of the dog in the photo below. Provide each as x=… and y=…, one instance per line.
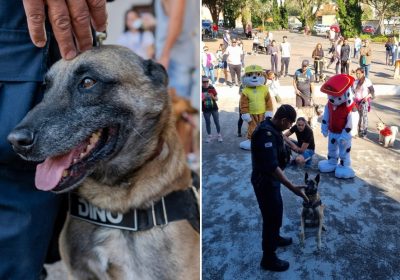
x=105, y=132
x=387, y=134
x=313, y=211
x=312, y=114
x=185, y=120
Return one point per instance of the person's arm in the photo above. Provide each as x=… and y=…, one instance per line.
x=296, y=90
x=70, y=20
x=297, y=190
x=303, y=147
x=176, y=13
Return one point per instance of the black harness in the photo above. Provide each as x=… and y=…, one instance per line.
x=313, y=205
x=178, y=205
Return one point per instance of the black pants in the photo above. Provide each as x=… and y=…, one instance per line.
x=270, y=202
x=345, y=67
x=285, y=65
x=235, y=69
x=240, y=123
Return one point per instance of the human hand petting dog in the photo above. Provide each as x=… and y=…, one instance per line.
x=71, y=22
x=299, y=190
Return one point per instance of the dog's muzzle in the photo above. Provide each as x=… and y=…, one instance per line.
x=21, y=140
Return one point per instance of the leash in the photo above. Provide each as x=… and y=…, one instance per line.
x=379, y=117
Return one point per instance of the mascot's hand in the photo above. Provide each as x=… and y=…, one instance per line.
x=324, y=130
x=344, y=137
x=246, y=117
x=268, y=114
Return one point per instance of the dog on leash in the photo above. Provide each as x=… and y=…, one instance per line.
x=313, y=211
x=311, y=114
x=387, y=134
x=104, y=132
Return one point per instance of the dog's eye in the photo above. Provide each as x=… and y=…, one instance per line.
x=87, y=83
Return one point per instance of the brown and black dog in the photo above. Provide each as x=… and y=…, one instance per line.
x=313, y=211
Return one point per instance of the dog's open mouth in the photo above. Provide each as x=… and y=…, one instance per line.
x=62, y=173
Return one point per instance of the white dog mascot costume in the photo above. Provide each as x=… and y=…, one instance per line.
x=337, y=124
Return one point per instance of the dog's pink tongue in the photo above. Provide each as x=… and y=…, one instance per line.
x=49, y=173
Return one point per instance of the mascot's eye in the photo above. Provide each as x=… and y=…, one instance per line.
x=87, y=83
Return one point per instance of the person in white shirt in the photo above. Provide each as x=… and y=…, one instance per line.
x=285, y=56
x=256, y=42
x=137, y=39
x=363, y=93
x=234, y=58
x=357, y=47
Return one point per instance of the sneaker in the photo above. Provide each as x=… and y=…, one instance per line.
x=284, y=241
x=273, y=263
x=208, y=140
x=220, y=138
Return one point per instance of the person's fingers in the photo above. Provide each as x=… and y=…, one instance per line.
x=62, y=28
x=35, y=16
x=98, y=13
x=80, y=19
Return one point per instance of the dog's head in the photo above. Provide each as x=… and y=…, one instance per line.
x=319, y=109
x=312, y=184
x=380, y=126
x=96, y=110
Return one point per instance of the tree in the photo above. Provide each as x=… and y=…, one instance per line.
x=260, y=9
x=276, y=16
x=246, y=15
x=382, y=7
x=231, y=11
x=284, y=21
x=215, y=7
x=308, y=11
x=349, y=15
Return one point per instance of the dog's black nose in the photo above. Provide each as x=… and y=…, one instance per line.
x=21, y=139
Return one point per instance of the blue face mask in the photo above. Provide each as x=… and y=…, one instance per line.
x=137, y=24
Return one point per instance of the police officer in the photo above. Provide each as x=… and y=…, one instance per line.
x=27, y=49
x=269, y=158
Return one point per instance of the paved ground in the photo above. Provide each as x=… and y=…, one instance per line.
x=361, y=241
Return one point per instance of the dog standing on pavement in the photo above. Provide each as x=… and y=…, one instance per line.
x=387, y=134
x=105, y=132
x=313, y=211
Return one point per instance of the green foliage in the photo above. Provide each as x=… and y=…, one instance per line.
x=284, y=22
x=349, y=15
x=231, y=11
x=276, y=15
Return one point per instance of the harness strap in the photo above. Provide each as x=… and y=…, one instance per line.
x=312, y=205
x=179, y=205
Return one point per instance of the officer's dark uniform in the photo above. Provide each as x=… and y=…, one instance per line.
x=26, y=214
x=267, y=153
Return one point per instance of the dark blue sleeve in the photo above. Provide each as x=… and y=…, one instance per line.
x=265, y=147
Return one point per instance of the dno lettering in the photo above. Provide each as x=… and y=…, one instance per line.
x=87, y=210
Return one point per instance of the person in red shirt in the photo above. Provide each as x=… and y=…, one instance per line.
x=214, y=30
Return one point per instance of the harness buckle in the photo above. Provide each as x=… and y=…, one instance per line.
x=135, y=220
x=164, y=213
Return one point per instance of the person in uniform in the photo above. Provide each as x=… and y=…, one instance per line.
x=269, y=158
x=28, y=47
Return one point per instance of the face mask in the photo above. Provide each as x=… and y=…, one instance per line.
x=137, y=24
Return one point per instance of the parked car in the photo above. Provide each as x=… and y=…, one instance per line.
x=321, y=28
x=369, y=29
x=206, y=24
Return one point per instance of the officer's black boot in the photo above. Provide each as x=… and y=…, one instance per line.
x=273, y=263
x=284, y=241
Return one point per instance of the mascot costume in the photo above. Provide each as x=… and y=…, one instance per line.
x=255, y=100
x=337, y=124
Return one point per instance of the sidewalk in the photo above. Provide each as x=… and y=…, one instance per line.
x=362, y=240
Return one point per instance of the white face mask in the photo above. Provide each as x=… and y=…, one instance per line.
x=137, y=24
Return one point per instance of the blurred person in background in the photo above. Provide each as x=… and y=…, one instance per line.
x=135, y=36
x=176, y=44
x=318, y=56
x=208, y=63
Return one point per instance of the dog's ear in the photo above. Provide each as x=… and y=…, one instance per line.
x=317, y=179
x=306, y=177
x=156, y=72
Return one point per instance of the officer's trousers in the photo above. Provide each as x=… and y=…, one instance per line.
x=270, y=202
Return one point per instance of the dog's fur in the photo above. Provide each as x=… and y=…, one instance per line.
x=311, y=114
x=388, y=141
x=146, y=162
x=315, y=215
